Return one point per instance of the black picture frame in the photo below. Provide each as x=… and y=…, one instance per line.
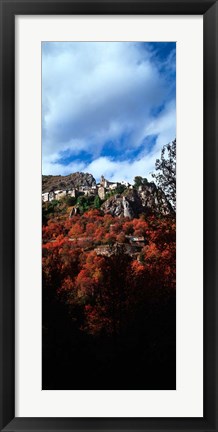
x=8, y=11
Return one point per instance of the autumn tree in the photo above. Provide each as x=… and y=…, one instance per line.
x=107, y=293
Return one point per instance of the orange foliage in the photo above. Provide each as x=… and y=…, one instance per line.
x=108, y=288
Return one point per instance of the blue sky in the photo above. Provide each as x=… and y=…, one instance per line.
x=107, y=107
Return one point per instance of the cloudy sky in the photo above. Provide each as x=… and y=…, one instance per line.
x=107, y=107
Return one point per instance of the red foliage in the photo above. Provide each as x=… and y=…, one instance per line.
x=109, y=288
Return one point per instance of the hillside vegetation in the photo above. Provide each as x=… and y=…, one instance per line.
x=109, y=291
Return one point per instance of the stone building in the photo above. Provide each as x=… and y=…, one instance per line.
x=104, y=183
x=51, y=196
x=72, y=193
x=125, y=183
x=101, y=192
x=113, y=186
x=45, y=197
x=60, y=194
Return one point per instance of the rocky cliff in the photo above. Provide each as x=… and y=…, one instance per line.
x=71, y=181
x=147, y=199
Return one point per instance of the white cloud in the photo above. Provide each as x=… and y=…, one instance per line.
x=95, y=92
x=60, y=169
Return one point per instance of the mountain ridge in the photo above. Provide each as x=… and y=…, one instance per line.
x=70, y=181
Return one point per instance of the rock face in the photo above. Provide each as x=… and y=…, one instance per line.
x=116, y=249
x=149, y=200
x=127, y=209
x=153, y=199
x=113, y=206
x=71, y=181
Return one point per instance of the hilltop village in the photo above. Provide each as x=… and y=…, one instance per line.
x=117, y=199
x=93, y=189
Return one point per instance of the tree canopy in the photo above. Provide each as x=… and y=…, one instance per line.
x=166, y=172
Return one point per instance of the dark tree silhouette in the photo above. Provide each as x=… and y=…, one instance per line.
x=166, y=172
x=140, y=181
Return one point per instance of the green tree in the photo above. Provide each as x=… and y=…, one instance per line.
x=120, y=189
x=70, y=201
x=140, y=181
x=97, y=202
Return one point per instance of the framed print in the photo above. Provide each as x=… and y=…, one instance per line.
x=108, y=220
